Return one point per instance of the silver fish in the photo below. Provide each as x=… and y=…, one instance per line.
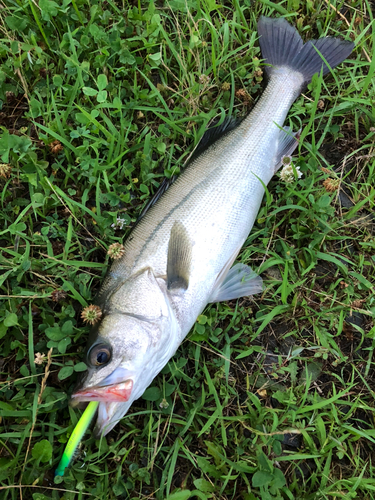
x=180, y=256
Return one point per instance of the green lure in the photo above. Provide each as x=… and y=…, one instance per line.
x=76, y=437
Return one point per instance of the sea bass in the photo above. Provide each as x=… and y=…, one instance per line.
x=180, y=255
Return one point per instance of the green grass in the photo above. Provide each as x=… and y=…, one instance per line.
x=267, y=398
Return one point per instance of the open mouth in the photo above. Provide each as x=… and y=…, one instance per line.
x=119, y=393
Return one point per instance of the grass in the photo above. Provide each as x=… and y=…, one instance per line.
x=267, y=398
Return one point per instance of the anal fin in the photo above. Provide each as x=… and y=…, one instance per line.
x=287, y=143
x=179, y=258
x=240, y=281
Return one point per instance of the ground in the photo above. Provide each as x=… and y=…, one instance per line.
x=269, y=397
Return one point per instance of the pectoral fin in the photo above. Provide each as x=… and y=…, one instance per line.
x=240, y=281
x=179, y=258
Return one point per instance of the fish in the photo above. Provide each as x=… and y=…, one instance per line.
x=181, y=254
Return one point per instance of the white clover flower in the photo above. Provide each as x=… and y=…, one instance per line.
x=204, y=79
x=289, y=171
x=119, y=224
x=39, y=358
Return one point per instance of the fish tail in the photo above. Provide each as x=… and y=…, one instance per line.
x=282, y=46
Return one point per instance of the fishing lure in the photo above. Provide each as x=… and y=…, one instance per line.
x=76, y=437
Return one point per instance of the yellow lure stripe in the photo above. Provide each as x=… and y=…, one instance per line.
x=76, y=437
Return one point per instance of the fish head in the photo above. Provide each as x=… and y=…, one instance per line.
x=115, y=357
x=124, y=355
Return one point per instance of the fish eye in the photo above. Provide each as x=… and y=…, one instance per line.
x=100, y=355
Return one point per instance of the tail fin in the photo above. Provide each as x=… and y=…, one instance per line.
x=282, y=46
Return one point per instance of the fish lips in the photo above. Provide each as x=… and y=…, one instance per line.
x=112, y=393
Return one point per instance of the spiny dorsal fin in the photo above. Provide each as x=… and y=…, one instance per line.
x=179, y=258
x=164, y=185
x=209, y=137
x=213, y=134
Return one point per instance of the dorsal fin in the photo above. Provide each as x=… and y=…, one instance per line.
x=164, y=185
x=213, y=134
x=209, y=137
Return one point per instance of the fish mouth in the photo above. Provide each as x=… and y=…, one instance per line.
x=113, y=393
x=109, y=415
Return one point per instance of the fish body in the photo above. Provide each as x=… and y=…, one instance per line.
x=179, y=256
